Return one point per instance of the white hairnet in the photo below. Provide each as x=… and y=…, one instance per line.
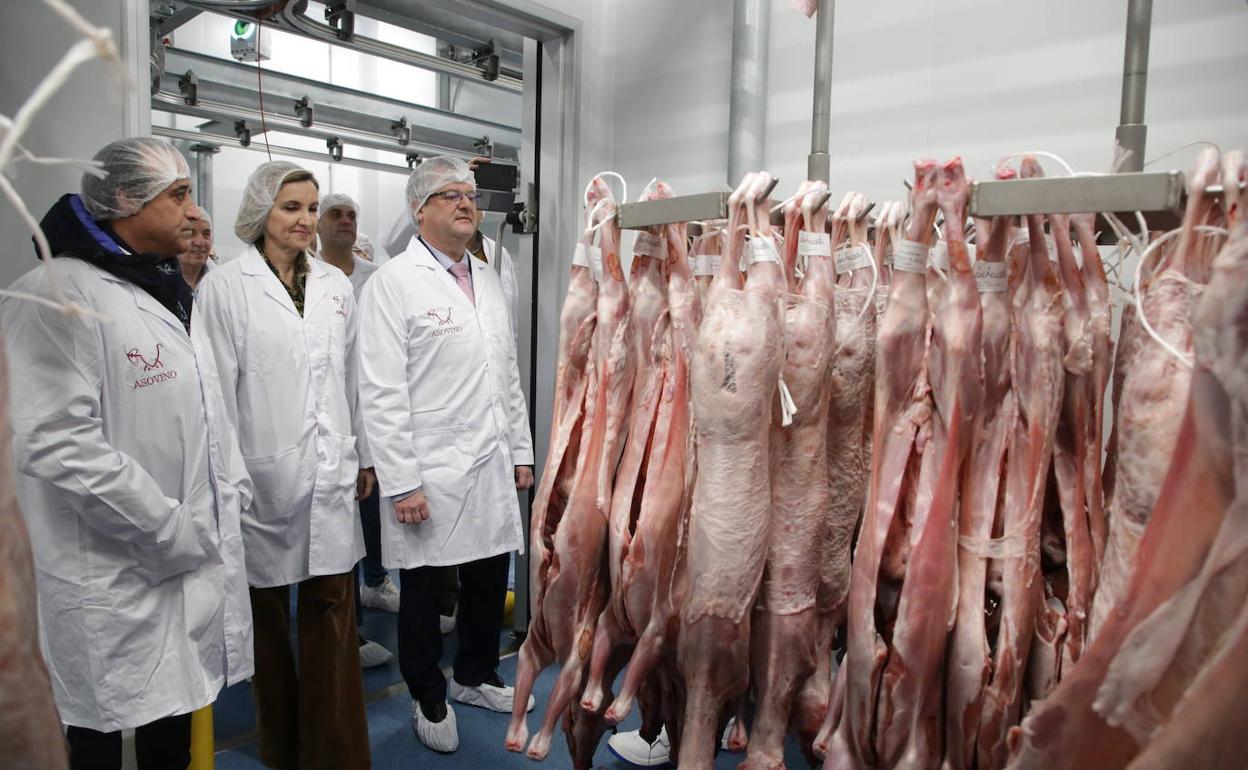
x=432, y=175
x=203, y=216
x=137, y=170
x=365, y=244
x=258, y=197
x=339, y=199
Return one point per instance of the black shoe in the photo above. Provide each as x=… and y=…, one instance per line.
x=434, y=711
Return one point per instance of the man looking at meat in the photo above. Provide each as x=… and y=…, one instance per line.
x=445, y=415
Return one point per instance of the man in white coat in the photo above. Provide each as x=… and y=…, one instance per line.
x=446, y=420
x=130, y=475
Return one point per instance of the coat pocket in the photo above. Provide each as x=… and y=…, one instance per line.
x=283, y=485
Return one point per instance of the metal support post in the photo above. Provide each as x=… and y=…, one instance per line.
x=747, y=100
x=818, y=165
x=203, y=174
x=1132, y=132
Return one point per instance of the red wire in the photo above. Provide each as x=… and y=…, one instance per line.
x=264, y=129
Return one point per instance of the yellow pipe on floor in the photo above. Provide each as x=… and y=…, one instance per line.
x=201, y=740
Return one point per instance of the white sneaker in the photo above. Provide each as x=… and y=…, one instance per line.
x=384, y=596
x=487, y=696
x=373, y=654
x=634, y=749
x=446, y=624
x=440, y=736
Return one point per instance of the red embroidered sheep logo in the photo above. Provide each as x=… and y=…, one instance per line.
x=442, y=320
x=136, y=358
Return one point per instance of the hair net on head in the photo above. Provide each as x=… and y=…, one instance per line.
x=334, y=200
x=136, y=170
x=203, y=216
x=258, y=197
x=432, y=175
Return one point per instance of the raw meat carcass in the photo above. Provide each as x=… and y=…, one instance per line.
x=1153, y=396
x=787, y=635
x=1036, y=378
x=569, y=578
x=910, y=726
x=30, y=728
x=653, y=484
x=902, y=413
x=970, y=657
x=735, y=371
x=1187, y=590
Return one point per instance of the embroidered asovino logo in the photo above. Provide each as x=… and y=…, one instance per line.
x=342, y=306
x=441, y=319
x=137, y=358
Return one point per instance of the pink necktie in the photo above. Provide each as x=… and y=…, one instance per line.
x=460, y=271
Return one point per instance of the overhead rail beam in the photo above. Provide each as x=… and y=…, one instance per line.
x=1161, y=191
x=229, y=83
x=293, y=18
x=199, y=139
x=229, y=114
x=700, y=207
x=451, y=28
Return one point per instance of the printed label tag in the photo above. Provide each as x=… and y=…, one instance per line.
x=580, y=257
x=990, y=277
x=970, y=252
x=814, y=244
x=852, y=258
x=763, y=250
x=1021, y=237
x=910, y=256
x=650, y=245
x=706, y=264
x=591, y=257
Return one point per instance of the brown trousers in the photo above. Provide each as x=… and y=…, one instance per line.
x=312, y=716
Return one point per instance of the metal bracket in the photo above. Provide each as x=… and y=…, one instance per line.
x=488, y=60
x=242, y=132
x=205, y=149
x=484, y=147
x=188, y=84
x=413, y=160
x=303, y=110
x=402, y=131
x=335, y=148
x=341, y=16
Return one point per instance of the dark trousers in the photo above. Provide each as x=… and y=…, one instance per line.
x=162, y=745
x=482, y=593
x=313, y=716
x=370, y=519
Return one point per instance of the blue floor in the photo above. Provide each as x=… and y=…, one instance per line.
x=481, y=733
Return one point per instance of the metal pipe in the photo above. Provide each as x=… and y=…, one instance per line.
x=1132, y=132
x=747, y=100
x=818, y=165
x=203, y=173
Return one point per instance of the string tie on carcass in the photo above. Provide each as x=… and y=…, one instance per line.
x=788, y=409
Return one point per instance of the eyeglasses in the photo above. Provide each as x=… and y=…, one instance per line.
x=453, y=197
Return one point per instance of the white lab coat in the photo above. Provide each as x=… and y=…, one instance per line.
x=443, y=410
x=290, y=388
x=132, y=484
x=403, y=229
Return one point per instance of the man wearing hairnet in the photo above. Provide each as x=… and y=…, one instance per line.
x=196, y=261
x=449, y=430
x=130, y=475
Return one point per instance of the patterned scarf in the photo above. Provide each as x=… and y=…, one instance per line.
x=296, y=289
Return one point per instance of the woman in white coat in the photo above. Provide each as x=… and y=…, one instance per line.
x=281, y=328
x=449, y=430
x=130, y=476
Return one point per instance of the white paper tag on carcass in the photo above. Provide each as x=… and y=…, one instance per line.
x=938, y=256
x=1051, y=246
x=706, y=264
x=763, y=249
x=851, y=258
x=990, y=277
x=910, y=256
x=1021, y=237
x=970, y=252
x=650, y=245
x=589, y=256
x=811, y=243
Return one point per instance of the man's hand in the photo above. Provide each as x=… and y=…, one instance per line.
x=364, y=483
x=477, y=161
x=412, y=509
x=524, y=477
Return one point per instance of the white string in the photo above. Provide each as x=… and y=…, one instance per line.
x=1182, y=147
x=869, y=303
x=1139, y=303
x=623, y=184
x=1040, y=153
